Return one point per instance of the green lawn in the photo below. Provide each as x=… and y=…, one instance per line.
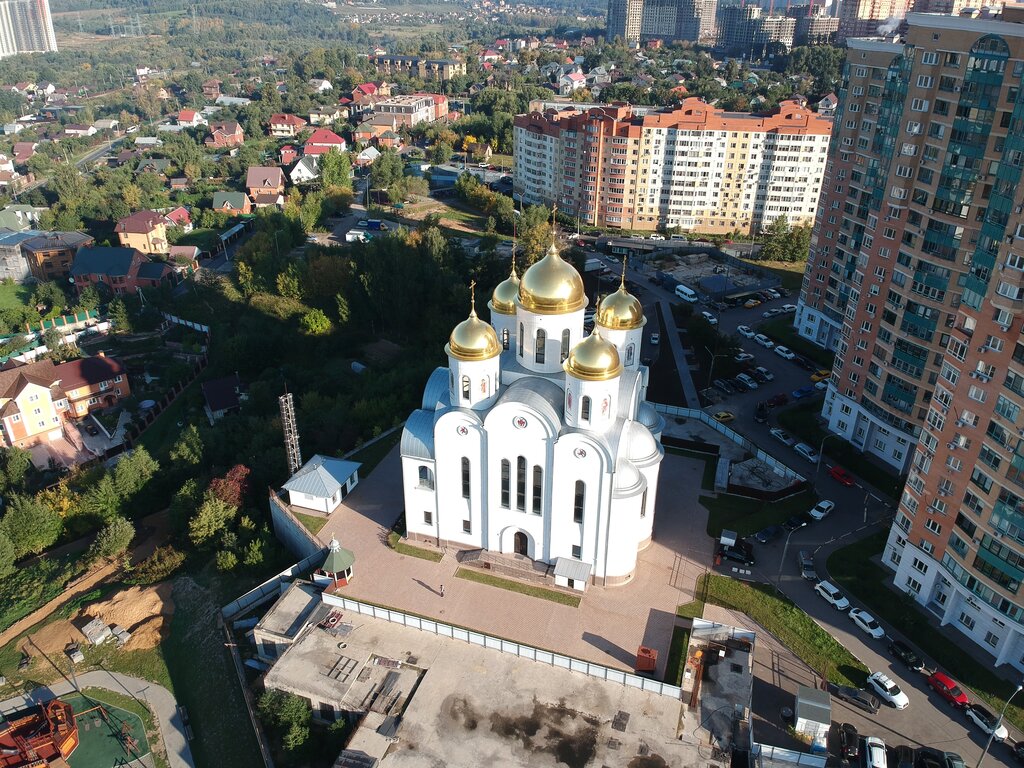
x=164, y=430
x=853, y=569
x=793, y=628
x=515, y=586
x=14, y=295
x=32, y=586
x=677, y=656
x=205, y=239
x=691, y=610
x=802, y=421
x=395, y=540
x=747, y=516
x=372, y=455
x=790, y=273
x=313, y=524
x=781, y=328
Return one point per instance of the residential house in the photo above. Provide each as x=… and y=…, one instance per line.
x=323, y=140
x=211, y=89
x=189, y=118
x=440, y=102
x=180, y=184
x=571, y=82
x=366, y=157
x=147, y=141
x=153, y=274
x=265, y=185
x=106, y=124
x=117, y=268
x=225, y=133
x=481, y=151
x=232, y=101
x=406, y=111
x=289, y=154
x=145, y=231
x=126, y=156
x=326, y=115
x=222, y=396
x=78, y=130
x=284, y=126
x=49, y=254
x=305, y=170
x=13, y=264
x=12, y=128
x=827, y=105
x=179, y=217
x=390, y=140
x=19, y=216
x=232, y=203
x=11, y=181
x=33, y=407
x=157, y=165
x=184, y=258
x=321, y=85
x=92, y=383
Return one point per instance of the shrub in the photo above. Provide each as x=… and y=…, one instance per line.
x=159, y=566
x=113, y=540
x=226, y=560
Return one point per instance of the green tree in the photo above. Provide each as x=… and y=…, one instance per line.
x=336, y=170
x=102, y=500
x=30, y=525
x=287, y=712
x=113, y=540
x=210, y=520
x=6, y=555
x=252, y=555
x=226, y=560
x=344, y=312
x=133, y=471
x=315, y=323
x=535, y=236
x=89, y=298
x=289, y=283
x=16, y=464
x=50, y=296
x=248, y=283
x=386, y=169
x=188, y=450
x=441, y=153
x=775, y=240
x=117, y=313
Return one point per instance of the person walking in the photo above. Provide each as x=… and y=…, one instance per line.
x=442, y=590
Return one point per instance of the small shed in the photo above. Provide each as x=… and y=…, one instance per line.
x=322, y=484
x=222, y=396
x=570, y=573
x=813, y=715
x=337, y=568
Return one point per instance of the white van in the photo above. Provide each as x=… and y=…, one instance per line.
x=686, y=294
x=677, y=237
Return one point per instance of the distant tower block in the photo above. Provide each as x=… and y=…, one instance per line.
x=291, y=433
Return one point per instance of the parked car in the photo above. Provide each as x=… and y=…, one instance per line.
x=773, y=293
x=782, y=435
x=712, y=320
x=807, y=451
x=725, y=386
x=1018, y=751
x=748, y=381
x=739, y=553
x=929, y=757
x=723, y=417
x=806, y=562
x=866, y=623
x=906, y=654
x=794, y=523
x=874, y=753
x=655, y=237
x=745, y=331
x=856, y=697
x=904, y=756
x=771, y=312
x=764, y=341
x=820, y=375
x=768, y=375
x=803, y=362
x=756, y=374
x=767, y=534
x=821, y=386
x=989, y=724
x=778, y=400
x=947, y=688
x=820, y=510
x=91, y=429
x=743, y=357
x=830, y=593
x=751, y=303
x=802, y=392
x=761, y=413
x=785, y=352
x=363, y=223
x=888, y=691
x=849, y=741
x=787, y=308
x=842, y=477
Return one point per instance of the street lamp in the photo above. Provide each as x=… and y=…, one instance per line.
x=821, y=449
x=999, y=721
x=711, y=369
x=785, y=549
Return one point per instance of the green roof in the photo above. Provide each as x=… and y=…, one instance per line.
x=338, y=559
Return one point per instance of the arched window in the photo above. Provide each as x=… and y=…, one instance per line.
x=542, y=340
x=585, y=409
x=465, y=478
x=538, y=484
x=565, y=345
x=426, y=478
x=451, y=379
x=629, y=354
x=521, y=484
x=521, y=334
x=504, y=338
x=643, y=505
x=506, y=472
x=579, y=499
x=465, y=387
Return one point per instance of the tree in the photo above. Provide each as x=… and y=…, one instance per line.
x=775, y=237
x=102, y=500
x=210, y=520
x=336, y=170
x=89, y=298
x=226, y=560
x=117, y=313
x=252, y=555
x=30, y=525
x=113, y=540
x=188, y=450
x=535, y=236
x=232, y=488
x=16, y=464
x=133, y=471
x=50, y=296
x=6, y=555
x=441, y=153
x=288, y=712
x=386, y=169
x=315, y=323
x=344, y=312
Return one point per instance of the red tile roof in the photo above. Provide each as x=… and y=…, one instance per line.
x=140, y=222
x=87, y=371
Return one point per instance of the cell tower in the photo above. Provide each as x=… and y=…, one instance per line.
x=291, y=433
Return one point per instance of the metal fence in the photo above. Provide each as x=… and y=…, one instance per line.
x=506, y=646
x=764, y=752
x=271, y=586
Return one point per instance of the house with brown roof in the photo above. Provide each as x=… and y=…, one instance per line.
x=23, y=150
x=211, y=89
x=121, y=270
x=284, y=126
x=50, y=254
x=92, y=383
x=145, y=231
x=33, y=407
x=225, y=133
x=265, y=185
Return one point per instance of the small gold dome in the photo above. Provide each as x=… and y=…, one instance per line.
x=473, y=339
x=503, y=300
x=552, y=286
x=620, y=311
x=593, y=359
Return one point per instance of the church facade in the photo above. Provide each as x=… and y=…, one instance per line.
x=537, y=439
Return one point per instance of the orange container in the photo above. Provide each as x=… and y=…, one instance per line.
x=646, y=659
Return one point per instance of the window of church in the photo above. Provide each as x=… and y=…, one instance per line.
x=565, y=344
x=465, y=387
x=577, y=551
x=506, y=472
x=521, y=335
x=504, y=338
x=428, y=517
x=467, y=526
x=629, y=354
x=578, y=502
x=538, y=481
x=643, y=504
x=465, y=478
x=521, y=484
x=585, y=409
x=426, y=478
x=542, y=340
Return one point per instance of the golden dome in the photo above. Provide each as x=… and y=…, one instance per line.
x=593, y=359
x=473, y=339
x=503, y=300
x=620, y=311
x=552, y=286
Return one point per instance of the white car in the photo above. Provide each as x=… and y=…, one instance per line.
x=820, y=510
x=830, y=594
x=888, y=691
x=986, y=721
x=782, y=436
x=866, y=622
x=787, y=308
x=745, y=331
x=785, y=352
x=743, y=357
x=764, y=341
x=712, y=320
x=773, y=293
x=768, y=375
x=874, y=753
x=655, y=237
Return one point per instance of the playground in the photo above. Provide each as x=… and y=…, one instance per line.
x=108, y=735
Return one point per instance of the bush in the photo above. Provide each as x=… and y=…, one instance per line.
x=112, y=541
x=226, y=560
x=159, y=566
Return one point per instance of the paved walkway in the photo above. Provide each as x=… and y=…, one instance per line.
x=671, y=335
x=607, y=628
x=159, y=700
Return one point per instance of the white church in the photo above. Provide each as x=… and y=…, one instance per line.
x=537, y=440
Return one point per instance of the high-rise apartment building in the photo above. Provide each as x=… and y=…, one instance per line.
x=625, y=18
x=813, y=26
x=694, y=167
x=863, y=18
x=751, y=32
x=26, y=27
x=917, y=278
x=670, y=20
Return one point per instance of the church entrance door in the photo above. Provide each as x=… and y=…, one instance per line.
x=519, y=543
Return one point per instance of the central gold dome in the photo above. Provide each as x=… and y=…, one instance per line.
x=503, y=300
x=593, y=359
x=620, y=311
x=552, y=286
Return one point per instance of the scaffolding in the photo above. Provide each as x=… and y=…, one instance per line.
x=291, y=433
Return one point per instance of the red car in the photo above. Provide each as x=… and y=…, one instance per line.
x=779, y=399
x=947, y=689
x=842, y=477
